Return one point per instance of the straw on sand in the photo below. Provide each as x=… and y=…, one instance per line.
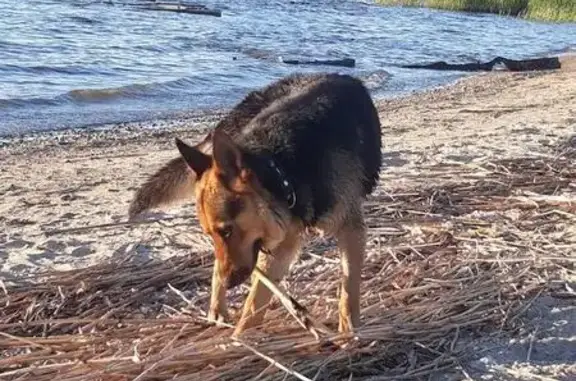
x=446, y=264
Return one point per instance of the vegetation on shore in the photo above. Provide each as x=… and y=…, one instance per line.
x=548, y=10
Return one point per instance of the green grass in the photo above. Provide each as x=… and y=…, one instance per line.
x=548, y=10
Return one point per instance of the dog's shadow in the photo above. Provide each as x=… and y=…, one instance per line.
x=547, y=342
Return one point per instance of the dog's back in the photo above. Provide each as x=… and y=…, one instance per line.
x=322, y=129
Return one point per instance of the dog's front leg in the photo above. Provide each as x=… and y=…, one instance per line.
x=275, y=265
x=218, y=310
x=352, y=244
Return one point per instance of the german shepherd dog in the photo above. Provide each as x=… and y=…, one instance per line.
x=302, y=153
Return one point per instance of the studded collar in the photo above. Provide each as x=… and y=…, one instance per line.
x=285, y=185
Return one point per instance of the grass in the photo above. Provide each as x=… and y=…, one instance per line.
x=547, y=10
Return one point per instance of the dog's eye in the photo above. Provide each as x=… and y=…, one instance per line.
x=225, y=231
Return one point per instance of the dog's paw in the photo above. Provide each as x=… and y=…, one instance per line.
x=343, y=341
x=219, y=318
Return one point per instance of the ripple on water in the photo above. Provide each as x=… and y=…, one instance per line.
x=73, y=63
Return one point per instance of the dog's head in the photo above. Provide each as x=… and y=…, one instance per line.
x=232, y=206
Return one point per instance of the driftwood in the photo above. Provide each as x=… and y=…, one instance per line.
x=511, y=65
x=180, y=8
x=345, y=62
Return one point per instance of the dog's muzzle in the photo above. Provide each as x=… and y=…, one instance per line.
x=240, y=275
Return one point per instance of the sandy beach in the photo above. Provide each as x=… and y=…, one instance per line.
x=65, y=194
x=73, y=179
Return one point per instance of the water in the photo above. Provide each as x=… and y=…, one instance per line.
x=76, y=63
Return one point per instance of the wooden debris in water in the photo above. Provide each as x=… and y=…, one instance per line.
x=546, y=63
x=344, y=62
x=182, y=8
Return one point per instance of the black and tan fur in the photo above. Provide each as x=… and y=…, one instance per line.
x=302, y=153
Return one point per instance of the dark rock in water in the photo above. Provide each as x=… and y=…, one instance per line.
x=548, y=63
x=345, y=62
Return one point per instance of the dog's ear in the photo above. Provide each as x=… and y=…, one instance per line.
x=174, y=182
x=228, y=160
x=198, y=161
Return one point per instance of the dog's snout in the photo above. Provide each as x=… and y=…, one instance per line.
x=238, y=277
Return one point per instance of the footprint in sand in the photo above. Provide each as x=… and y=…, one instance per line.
x=17, y=244
x=53, y=245
x=20, y=222
x=137, y=253
x=394, y=159
x=71, y=197
x=79, y=248
x=82, y=251
x=20, y=268
x=38, y=258
x=13, y=190
x=65, y=218
x=76, y=242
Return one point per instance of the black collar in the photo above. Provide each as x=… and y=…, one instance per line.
x=286, y=188
x=285, y=185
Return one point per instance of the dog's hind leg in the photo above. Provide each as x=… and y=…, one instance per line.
x=351, y=239
x=218, y=310
x=275, y=265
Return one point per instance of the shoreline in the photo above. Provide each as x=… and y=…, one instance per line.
x=202, y=119
x=210, y=115
x=200, y=116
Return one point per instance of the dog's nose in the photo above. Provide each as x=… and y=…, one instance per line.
x=237, y=277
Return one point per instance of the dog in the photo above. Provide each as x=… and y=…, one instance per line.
x=300, y=154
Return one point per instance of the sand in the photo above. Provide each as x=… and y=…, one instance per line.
x=64, y=195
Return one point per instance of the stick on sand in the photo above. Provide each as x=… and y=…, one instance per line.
x=295, y=309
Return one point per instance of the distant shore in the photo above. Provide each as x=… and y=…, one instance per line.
x=544, y=10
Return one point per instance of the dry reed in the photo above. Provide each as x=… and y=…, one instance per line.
x=447, y=263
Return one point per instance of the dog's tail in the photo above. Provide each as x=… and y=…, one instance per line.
x=172, y=183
